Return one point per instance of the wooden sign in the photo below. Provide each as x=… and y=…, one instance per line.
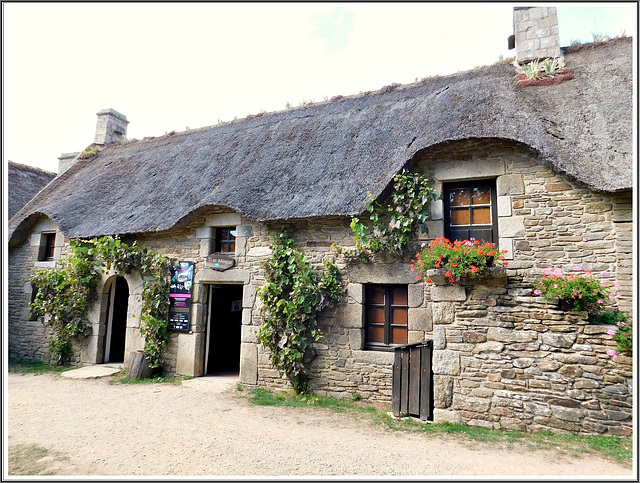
x=220, y=262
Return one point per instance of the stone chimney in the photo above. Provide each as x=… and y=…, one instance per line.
x=65, y=160
x=111, y=127
x=536, y=33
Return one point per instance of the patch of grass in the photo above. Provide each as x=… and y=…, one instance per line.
x=121, y=378
x=20, y=366
x=31, y=459
x=611, y=447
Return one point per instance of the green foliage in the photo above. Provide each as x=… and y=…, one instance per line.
x=292, y=297
x=21, y=366
x=392, y=226
x=623, y=334
x=66, y=292
x=89, y=152
x=582, y=290
x=461, y=258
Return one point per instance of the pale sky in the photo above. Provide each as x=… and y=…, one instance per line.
x=169, y=66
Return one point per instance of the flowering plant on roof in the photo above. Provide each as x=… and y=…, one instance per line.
x=460, y=258
x=580, y=289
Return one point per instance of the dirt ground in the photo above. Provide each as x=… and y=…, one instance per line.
x=206, y=428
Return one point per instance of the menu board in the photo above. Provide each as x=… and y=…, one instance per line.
x=180, y=296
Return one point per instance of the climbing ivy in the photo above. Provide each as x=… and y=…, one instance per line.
x=292, y=297
x=391, y=227
x=66, y=291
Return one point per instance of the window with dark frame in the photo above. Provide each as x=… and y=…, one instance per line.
x=47, y=247
x=386, y=316
x=225, y=240
x=470, y=210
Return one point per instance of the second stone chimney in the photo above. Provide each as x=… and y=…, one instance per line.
x=536, y=33
x=111, y=127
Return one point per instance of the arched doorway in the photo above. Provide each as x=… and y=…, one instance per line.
x=116, y=320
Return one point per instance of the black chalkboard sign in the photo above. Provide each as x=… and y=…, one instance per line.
x=179, y=321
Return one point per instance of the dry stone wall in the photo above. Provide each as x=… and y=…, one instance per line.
x=505, y=360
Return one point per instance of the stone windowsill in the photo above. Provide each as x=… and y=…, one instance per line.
x=492, y=276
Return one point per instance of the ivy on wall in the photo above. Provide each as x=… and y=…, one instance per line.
x=392, y=226
x=64, y=293
x=292, y=297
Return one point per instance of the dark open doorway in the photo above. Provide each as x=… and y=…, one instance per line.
x=224, y=325
x=118, y=304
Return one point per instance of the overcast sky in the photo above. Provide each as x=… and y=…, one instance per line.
x=169, y=66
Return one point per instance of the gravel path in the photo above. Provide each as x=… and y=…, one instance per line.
x=205, y=427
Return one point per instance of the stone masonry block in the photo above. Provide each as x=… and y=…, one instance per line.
x=249, y=296
x=511, y=336
x=416, y=294
x=356, y=339
x=446, y=362
x=511, y=226
x=248, y=363
x=437, y=210
x=466, y=170
x=205, y=232
x=442, y=313
x=351, y=316
x=450, y=293
x=431, y=229
x=356, y=292
x=510, y=184
x=439, y=337
x=504, y=205
x=420, y=319
x=506, y=244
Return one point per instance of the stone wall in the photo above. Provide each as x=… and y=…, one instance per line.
x=28, y=339
x=505, y=360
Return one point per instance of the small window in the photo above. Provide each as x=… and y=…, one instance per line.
x=47, y=247
x=470, y=211
x=387, y=312
x=225, y=240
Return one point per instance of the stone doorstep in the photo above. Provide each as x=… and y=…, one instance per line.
x=89, y=372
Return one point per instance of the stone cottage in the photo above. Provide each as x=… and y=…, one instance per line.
x=555, y=162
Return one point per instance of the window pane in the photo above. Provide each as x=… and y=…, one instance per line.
x=399, y=296
x=375, y=333
x=459, y=197
x=399, y=335
x=482, y=216
x=482, y=196
x=376, y=295
x=399, y=316
x=460, y=217
x=376, y=315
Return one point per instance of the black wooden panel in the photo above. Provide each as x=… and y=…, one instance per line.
x=404, y=384
x=395, y=384
x=425, y=386
x=414, y=381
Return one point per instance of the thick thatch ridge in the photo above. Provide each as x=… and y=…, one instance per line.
x=24, y=182
x=320, y=160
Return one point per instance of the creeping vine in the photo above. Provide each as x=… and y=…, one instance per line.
x=392, y=226
x=292, y=297
x=65, y=292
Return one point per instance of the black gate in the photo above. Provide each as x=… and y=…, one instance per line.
x=412, y=386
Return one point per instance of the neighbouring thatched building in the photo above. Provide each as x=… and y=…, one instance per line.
x=24, y=182
x=557, y=160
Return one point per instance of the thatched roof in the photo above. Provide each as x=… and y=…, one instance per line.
x=320, y=160
x=24, y=182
